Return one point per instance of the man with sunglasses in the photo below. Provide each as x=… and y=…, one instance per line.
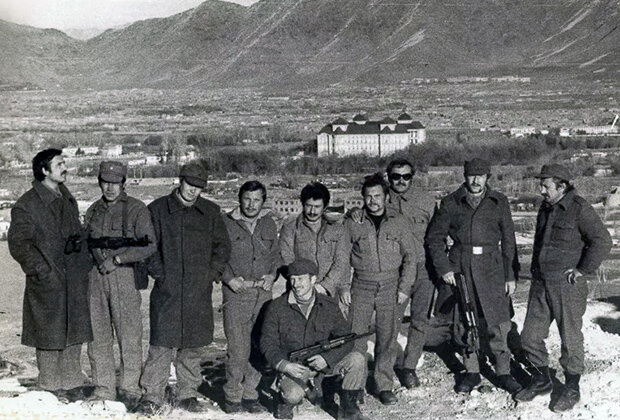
x=417, y=206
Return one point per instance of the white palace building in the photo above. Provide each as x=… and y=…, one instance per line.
x=374, y=138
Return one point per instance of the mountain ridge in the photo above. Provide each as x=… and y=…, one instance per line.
x=308, y=43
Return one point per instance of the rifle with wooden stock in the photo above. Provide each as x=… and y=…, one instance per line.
x=468, y=315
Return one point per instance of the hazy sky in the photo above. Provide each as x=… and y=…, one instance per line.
x=66, y=14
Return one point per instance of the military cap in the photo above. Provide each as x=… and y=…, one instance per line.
x=112, y=171
x=299, y=267
x=555, y=170
x=477, y=166
x=194, y=174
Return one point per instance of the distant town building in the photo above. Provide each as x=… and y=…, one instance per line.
x=522, y=131
x=374, y=138
x=80, y=150
x=612, y=129
x=152, y=160
x=113, y=151
x=287, y=205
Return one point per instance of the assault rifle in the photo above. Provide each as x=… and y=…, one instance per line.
x=303, y=354
x=113, y=242
x=469, y=315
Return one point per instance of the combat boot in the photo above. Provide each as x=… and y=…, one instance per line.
x=467, y=383
x=541, y=385
x=509, y=384
x=570, y=394
x=349, y=410
x=409, y=379
x=283, y=410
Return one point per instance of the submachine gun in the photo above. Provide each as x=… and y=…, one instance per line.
x=303, y=354
x=140, y=268
x=113, y=242
x=469, y=315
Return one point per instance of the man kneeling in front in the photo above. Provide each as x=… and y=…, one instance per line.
x=300, y=319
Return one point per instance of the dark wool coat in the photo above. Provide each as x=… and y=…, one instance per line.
x=489, y=226
x=192, y=251
x=55, y=312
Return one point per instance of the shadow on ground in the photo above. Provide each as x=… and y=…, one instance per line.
x=610, y=325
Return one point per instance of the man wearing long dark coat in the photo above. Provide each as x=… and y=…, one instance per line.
x=193, y=248
x=44, y=238
x=478, y=221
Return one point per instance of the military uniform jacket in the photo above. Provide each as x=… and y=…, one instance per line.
x=253, y=254
x=484, y=249
x=390, y=253
x=103, y=219
x=569, y=234
x=286, y=329
x=328, y=248
x=55, y=312
x=192, y=251
x=417, y=206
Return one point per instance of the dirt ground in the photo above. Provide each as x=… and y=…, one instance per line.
x=435, y=398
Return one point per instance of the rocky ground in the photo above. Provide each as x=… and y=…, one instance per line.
x=435, y=398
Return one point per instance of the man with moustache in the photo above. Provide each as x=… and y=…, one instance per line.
x=417, y=206
x=478, y=221
x=301, y=318
x=310, y=236
x=45, y=238
x=570, y=242
x=192, y=251
x=384, y=256
x=247, y=282
x=114, y=294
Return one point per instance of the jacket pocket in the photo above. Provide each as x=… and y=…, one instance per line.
x=563, y=231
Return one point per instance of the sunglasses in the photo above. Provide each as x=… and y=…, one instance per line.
x=396, y=177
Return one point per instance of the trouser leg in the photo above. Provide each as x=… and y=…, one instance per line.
x=252, y=375
x=419, y=309
x=189, y=375
x=70, y=367
x=156, y=373
x=60, y=369
x=386, y=344
x=48, y=365
x=290, y=391
x=353, y=370
x=125, y=303
x=498, y=342
x=237, y=328
x=100, y=350
x=569, y=306
x=361, y=310
x=536, y=325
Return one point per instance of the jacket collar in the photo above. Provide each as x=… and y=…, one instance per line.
x=121, y=199
x=389, y=213
x=175, y=205
x=461, y=194
x=407, y=195
x=236, y=215
x=566, y=201
x=47, y=195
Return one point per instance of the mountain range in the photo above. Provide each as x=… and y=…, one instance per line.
x=310, y=43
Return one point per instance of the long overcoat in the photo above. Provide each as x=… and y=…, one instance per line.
x=483, y=250
x=55, y=310
x=193, y=248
